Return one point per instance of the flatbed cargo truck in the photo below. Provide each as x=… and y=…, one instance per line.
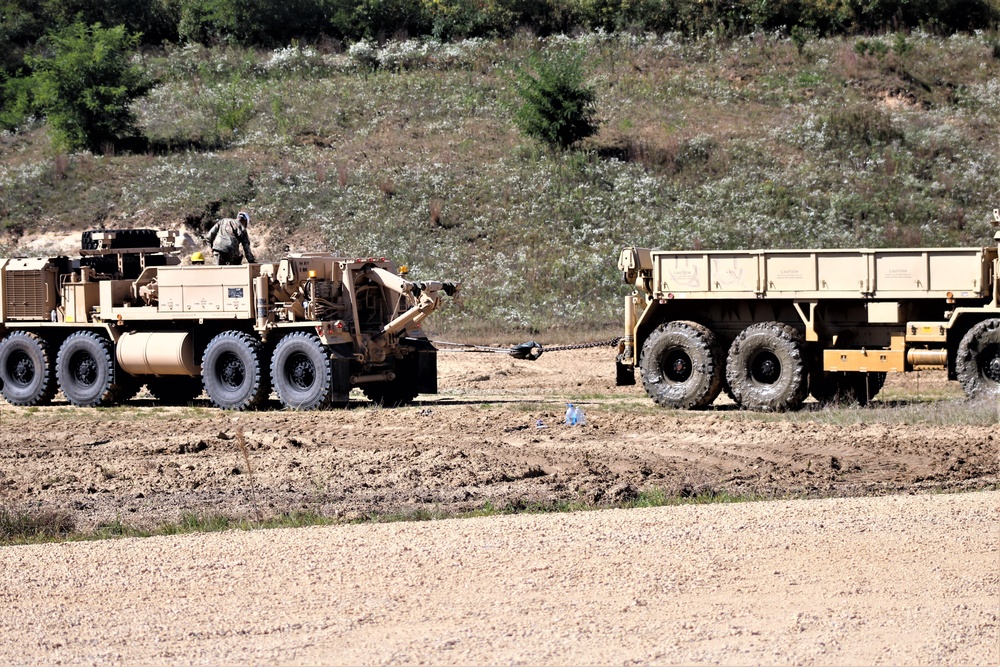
x=769, y=327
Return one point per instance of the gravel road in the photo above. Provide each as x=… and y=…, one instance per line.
x=893, y=580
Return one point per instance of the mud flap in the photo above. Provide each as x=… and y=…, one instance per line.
x=625, y=374
x=340, y=379
x=427, y=373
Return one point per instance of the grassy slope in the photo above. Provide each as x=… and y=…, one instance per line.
x=744, y=143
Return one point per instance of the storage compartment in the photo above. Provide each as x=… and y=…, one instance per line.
x=207, y=290
x=78, y=300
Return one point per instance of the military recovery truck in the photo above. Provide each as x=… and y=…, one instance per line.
x=126, y=313
x=769, y=327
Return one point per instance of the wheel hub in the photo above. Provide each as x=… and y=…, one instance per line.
x=84, y=369
x=24, y=369
x=678, y=366
x=233, y=372
x=766, y=368
x=301, y=373
x=992, y=366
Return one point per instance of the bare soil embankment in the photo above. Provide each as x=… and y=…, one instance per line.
x=477, y=442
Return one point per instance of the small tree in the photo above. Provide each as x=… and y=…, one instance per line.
x=558, y=108
x=84, y=84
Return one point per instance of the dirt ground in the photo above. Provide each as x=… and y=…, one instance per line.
x=908, y=577
x=479, y=443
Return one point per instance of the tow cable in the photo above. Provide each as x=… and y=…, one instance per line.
x=529, y=351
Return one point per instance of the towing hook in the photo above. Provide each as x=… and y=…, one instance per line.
x=529, y=351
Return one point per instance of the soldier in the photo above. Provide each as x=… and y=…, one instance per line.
x=227, y=236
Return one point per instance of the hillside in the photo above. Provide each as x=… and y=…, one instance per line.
x=408, y=150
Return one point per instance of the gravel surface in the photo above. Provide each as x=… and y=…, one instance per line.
x=895, y=580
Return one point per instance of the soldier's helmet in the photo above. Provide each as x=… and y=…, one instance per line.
x=244, y=217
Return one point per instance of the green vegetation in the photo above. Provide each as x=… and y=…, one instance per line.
x=37, y=527
x=558, y=107
x=45, y=526
x=410, y=149
x=268, y=23
x=84, y=85
x=34, y=526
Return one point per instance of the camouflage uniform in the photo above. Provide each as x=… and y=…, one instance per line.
x=226, y=237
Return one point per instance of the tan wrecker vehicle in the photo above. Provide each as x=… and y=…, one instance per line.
x=125, y=313
x=771, y=326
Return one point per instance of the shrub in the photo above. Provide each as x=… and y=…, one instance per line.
x=18, y=526
x=860, y=126
x=84, y=84
x=249, y=22
x=15, y=101
x=380, y=19
x=558, y=107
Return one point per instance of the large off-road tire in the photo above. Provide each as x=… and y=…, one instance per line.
x=26, y=370
x=390, y=394
x=977, y=364
x=124, y=238
x=835, y=388
x=85, y=369
x=127, y=386
x=233, y=374
x=767, y=368
x=302, y=372
x=174, y=389
x=681, y=365
x=865, y=386
x=416, y=373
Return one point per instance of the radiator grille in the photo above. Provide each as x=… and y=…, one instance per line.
x=26, y=297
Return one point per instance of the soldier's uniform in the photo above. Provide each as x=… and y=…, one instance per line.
x=227, y=236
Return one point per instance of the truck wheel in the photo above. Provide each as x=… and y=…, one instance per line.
x=390, y=394
x=26, y=374
x=400, y=391
x=830, y=388
x=863, y=387
x=232, y=371
x=767, y=369
x=174, y=389
x=416, y=373
x=302, y=372
x=681, y=365
x=85, y=368
x=978, y=361
x=127, y=387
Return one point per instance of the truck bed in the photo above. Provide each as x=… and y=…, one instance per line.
x=965, y=273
